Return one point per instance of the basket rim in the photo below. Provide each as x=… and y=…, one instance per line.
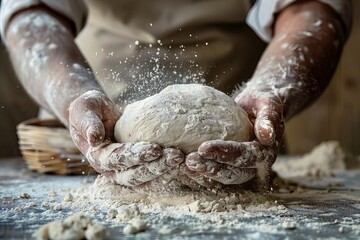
x=41, y=123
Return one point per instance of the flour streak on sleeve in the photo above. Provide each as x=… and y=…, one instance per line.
x=75, y=10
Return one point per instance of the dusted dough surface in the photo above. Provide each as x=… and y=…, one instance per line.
x=184, y=116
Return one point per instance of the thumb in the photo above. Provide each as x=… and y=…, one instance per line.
x=269, y=126
x=88, y=123
x=265, y=132
x=93, y=129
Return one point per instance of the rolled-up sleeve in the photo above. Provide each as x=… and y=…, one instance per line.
x=261, y=16
x=75, y=10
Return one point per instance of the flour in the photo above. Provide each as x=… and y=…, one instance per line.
x=289, y=225
x=112, y=213
x=187, y=214
x=179, y=200
x=52, y=194
x=57, y=207
x=95, y=232
x=166, y=229
x=135, y=226
x=75, y=227
x=127, y=212
x=24, y=195
x=184, y=116
x=322, y=161
x=68, y=198
x=52, y=46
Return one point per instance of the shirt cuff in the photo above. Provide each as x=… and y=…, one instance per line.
x=261, y=15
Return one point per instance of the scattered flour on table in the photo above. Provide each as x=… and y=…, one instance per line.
x=68, y=198
x=137, y=211
x=184, y=200
x=135, y=226
x=75, y=227
x=24, y=195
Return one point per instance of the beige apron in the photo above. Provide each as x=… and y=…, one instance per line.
x=138, y=47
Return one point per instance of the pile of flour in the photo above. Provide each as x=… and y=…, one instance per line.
x=322, y=161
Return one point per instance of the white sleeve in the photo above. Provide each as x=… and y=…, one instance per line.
x=261, y=15
x=75, y=10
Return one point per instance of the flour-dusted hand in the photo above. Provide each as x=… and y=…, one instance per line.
x=149, y=171
x=133, y=164
x=230, y=162
x=92, y=118
x=297, y=65
x=265, y=110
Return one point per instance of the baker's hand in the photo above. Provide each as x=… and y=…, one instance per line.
x=229, y=162
x=92, y=118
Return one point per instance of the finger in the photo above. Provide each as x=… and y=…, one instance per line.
x=84, y=147
x=185, y=180
x=218, y=172
x=88, y=122
x=121, y=156
x=266, y=124
x=199, y=179
x=79, y=140
x=149, y=171
x=95, y=129
x=248, y=104
x=160, y=183
x=195, y=162
x=237, y=154
x=174, y=156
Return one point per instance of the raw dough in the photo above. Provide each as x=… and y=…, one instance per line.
x=184, y=116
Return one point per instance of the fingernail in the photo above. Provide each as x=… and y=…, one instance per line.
x=266, y=132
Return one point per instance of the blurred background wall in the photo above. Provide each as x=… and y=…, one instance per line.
x=15, y=106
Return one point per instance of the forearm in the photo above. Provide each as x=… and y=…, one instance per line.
x=47, y=60
x=302, y=57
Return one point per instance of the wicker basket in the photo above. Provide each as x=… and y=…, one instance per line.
x=47, y=147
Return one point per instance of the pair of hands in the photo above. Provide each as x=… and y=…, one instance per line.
x=92, y=118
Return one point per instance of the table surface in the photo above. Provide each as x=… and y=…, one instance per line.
x=323, y=210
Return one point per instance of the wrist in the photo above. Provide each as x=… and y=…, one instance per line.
x=293, y=86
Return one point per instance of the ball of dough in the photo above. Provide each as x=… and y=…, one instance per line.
x=184, y=116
